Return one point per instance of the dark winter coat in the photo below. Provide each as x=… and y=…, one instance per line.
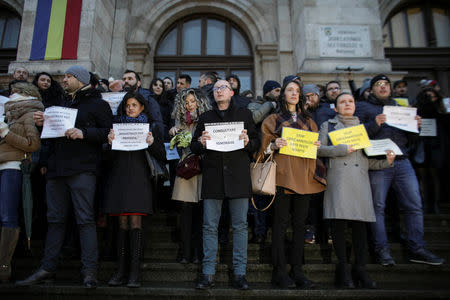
x=324, y=112
x=129, y=188
x=366, y=111
x=154, y=110
x=69, y=157
x=226, y=174
x=208, y=91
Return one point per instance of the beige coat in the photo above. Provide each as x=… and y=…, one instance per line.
x=348, y=195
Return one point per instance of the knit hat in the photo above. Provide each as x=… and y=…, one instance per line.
x=270, y=85
x=400, y=81
x=79, y=73
x=365, y=86
x=311, y=88
x=290, y=78
x=377, y=78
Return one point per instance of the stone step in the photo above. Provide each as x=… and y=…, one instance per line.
x=185, y=290
x=414, y=274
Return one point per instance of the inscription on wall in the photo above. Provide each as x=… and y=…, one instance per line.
x=344, y=41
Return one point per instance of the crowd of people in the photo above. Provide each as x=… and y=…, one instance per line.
x=81, y=177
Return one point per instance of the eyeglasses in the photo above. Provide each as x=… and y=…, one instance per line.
x=333, y=89
x=381, y=83
x=221, y=88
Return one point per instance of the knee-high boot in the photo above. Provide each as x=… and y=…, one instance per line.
x=8, y=244
x=136, y=254
x=120, y=276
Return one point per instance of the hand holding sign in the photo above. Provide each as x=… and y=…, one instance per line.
x=58, y=122
x=355, y=136
x=404, y=118
x=299, y=142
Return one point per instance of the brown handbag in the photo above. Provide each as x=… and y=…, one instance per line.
x=189, y=166
x=263, y=176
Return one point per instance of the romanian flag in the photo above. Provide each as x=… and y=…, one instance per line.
x=56, y=30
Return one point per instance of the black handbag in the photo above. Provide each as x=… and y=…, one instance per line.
x=158, y=170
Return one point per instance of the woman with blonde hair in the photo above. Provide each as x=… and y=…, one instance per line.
x=189, y=105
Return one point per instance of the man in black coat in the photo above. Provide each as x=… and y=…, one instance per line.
x=235, y=83
x=226, y=176
x=71, y=176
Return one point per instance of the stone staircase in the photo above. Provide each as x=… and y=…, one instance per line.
x=163, y=278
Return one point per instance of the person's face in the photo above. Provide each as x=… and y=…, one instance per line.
x=182, y=84
x=20, y=74
x=44, y=82
x=292, y=94
x=274, y=94
x=70, y=83
x=312, y=101
x=432, y=96
x=167, y=84
x=400, y=89
x=191, y=104
x=158, y=87
x=222, y=91
x=345, y=106
x=233, y=82
x=381, y=89
x=130, y=82
x=201, y=81
x=333, y=90
x=104, y=86
x=133, y=108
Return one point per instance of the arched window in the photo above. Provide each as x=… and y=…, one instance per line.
x=205, y=43
x=9, y=37
x=421, y=25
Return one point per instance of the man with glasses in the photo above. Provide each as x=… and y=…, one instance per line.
x=401, y=178
x=326, y=107
x=226, y=176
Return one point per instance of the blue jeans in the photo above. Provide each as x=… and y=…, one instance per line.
x=404, y=183
x=211, y=215
x=10, y=197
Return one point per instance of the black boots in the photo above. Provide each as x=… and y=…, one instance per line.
x=120, y=277
x=136, y=254
x=343, y=278
x=361, y=278
x=8, y=244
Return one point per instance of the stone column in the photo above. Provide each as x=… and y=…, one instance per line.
x=267, y=64
x=136, y=56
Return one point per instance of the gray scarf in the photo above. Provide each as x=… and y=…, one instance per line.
x=348, y=121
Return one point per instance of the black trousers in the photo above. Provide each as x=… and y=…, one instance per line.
x=191, y=221
x=296, y=205
x=359, y=240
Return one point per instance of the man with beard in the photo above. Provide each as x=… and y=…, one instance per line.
x=132, y=83
x=206, y=84
x=326, y=107
x=235, y=83
x=71, y=177
x=400, y=177
x=20, y=74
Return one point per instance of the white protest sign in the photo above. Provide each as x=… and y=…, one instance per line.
x=428, y=127
x=379, y=147
x=3, y=100
x=171, y=154
x=446, y=102
x=401, y=117
x=130, y=136
x=113, y=100
x=224, y=136
x=57, y=120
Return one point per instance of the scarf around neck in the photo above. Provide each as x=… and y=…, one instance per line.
x=142, y=118
x=348, y=121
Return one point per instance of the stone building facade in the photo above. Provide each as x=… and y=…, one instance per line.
x=283, y=37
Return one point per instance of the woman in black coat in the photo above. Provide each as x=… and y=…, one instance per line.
x=129, y=188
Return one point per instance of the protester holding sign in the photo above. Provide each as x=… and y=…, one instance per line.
x=401, y=177
x=189, y=105
x=226, y=176
x=129, y=189
x=430, y=151
x=18, y=137
x=295, y=185
x=348, y=199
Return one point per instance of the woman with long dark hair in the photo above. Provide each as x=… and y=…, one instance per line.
x=295, y=186
x=165, y=106
x=51, y=91
x=129, y=189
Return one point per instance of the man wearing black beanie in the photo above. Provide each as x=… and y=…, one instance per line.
x=400, y=177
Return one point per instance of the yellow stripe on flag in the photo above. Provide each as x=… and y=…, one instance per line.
x=56, y=30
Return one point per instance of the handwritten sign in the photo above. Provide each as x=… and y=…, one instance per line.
x=402, y=101
x=355, y=136
x=130, y=136
x=224, y=136
x=344, y=41
x=428, y=127
x=113, y=100
x=299, y=142
x=57, y=120
x=379, y=147
x=171, y=154
x=401, y=117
